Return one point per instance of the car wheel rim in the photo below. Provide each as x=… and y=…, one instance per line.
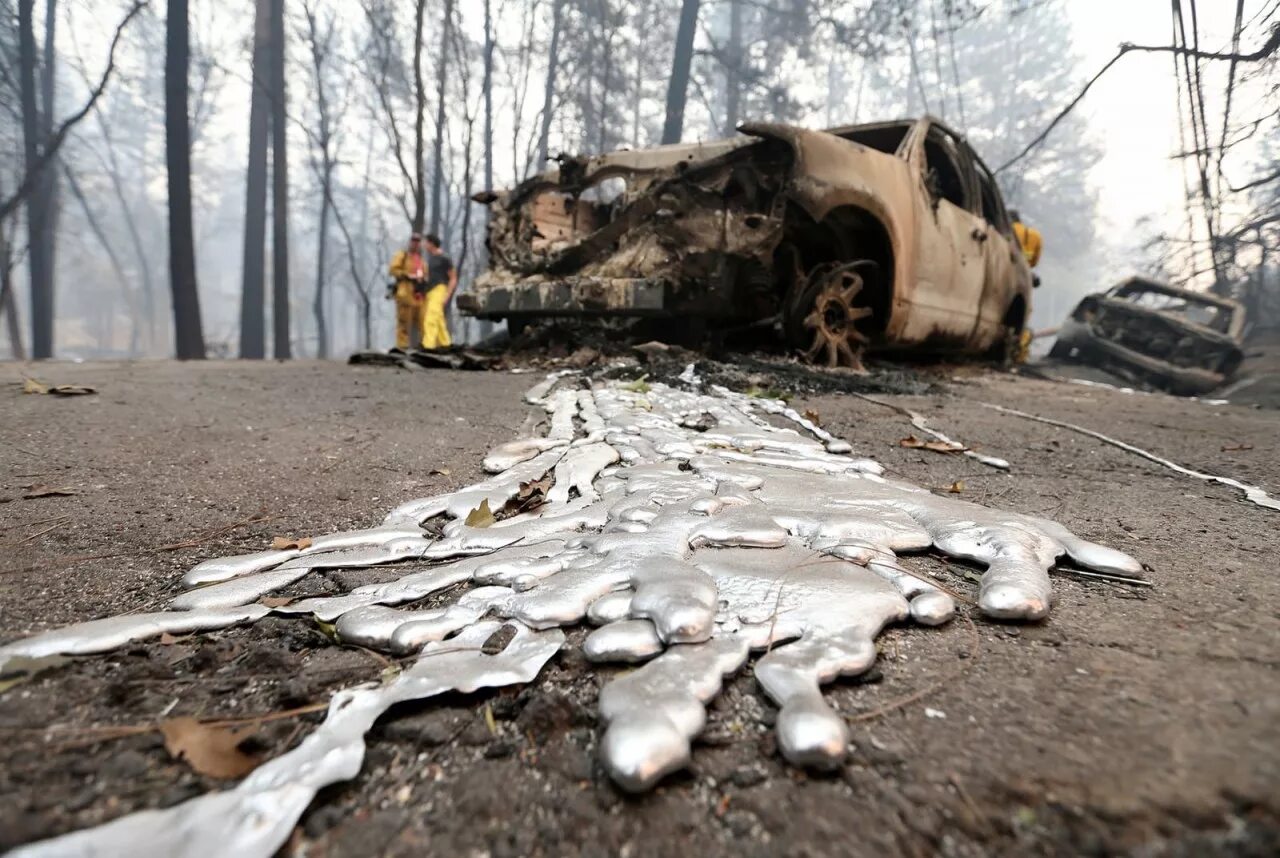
x=833, y=319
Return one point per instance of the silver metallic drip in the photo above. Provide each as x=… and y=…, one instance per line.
x=685, y=525
x=257, y=817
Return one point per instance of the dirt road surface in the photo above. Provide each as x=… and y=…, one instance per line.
x=1132, y=721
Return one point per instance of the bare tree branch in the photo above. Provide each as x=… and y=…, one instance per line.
x=54, y=143
x=1272, y=44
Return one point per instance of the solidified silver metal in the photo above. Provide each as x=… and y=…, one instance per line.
x=653, y=713
x=255, y=819
x=686, y=525
x=222, y=568
x=114, y=632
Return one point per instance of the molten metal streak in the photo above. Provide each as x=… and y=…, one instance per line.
x=684, y=524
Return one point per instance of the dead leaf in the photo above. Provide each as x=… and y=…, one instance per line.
x=911, y=442
x=284, y=543
x=31, y=385
x=957, y=487
x=209, y=749
x=1236, y=448
x=440, y=472
x=531, y=495
x=40, y=490
x=481, y=516
x=275, y=601
x=812, y=417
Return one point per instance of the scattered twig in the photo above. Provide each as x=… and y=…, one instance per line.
x=918, y=421
x=1252, y=493
x=1123, y=579
x=892, y=705
x=40, y=533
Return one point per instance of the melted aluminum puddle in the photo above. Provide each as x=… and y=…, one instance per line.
x=687, y=526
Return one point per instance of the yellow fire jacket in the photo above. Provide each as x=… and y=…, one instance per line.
x=1030, y=241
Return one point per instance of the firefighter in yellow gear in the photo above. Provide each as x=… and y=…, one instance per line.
x=441, y=283
x=1032, y=243
x=1028, y=239
x=409, y=271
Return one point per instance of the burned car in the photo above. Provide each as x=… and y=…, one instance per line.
x=1185, y=342
x=883, y=236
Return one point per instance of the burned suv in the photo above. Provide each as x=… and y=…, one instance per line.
x=887, y=236
x=1184, y=342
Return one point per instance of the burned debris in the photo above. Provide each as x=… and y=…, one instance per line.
x=1148, y=332
x=888, y=236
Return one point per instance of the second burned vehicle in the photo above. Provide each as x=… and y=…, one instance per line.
x=886, y=236
x=1149, y=332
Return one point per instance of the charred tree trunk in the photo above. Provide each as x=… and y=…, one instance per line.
x=322, y=249
x=187, y=330
x=37, y=210
x=733, y=69
x=279, y=189
x=437, y=153
x=682, y=63
x=8, y=300
x=487, y=87
x=47, y=187
x=549, y=91
x=419, y=122
x=253, y=333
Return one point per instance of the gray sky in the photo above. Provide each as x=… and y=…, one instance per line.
x=1133, y=110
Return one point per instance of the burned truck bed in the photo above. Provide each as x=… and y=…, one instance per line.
x=1187, y=343
x=889, y=235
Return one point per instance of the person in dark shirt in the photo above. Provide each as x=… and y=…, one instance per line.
x=441, y=283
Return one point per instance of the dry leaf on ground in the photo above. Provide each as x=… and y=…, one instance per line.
x=209, y=749
x=481, y=516
x=440, y=472
x=40, y=490
x=31, y=385
x=284, y=543
x=911, y=442
x=531, y=495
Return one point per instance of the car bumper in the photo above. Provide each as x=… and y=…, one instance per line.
x=579, y=296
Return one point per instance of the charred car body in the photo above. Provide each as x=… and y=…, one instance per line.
x=1184, y=342
x=890, y=236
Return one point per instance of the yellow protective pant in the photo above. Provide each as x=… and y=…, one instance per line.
x=408, y=314
x=435, y=327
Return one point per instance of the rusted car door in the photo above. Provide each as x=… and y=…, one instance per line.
x=949, y=264
x=1006, y=269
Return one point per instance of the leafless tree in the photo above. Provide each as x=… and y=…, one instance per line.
x=678, y=85
x=281, y=347
x=253, y=335
x=188, y=331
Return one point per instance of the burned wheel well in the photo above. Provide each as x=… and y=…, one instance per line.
x=1016, y=316
x=846, y=234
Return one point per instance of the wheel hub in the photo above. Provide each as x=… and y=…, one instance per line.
x=837, y=342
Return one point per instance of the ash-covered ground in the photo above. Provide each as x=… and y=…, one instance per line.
x=1133, y=720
